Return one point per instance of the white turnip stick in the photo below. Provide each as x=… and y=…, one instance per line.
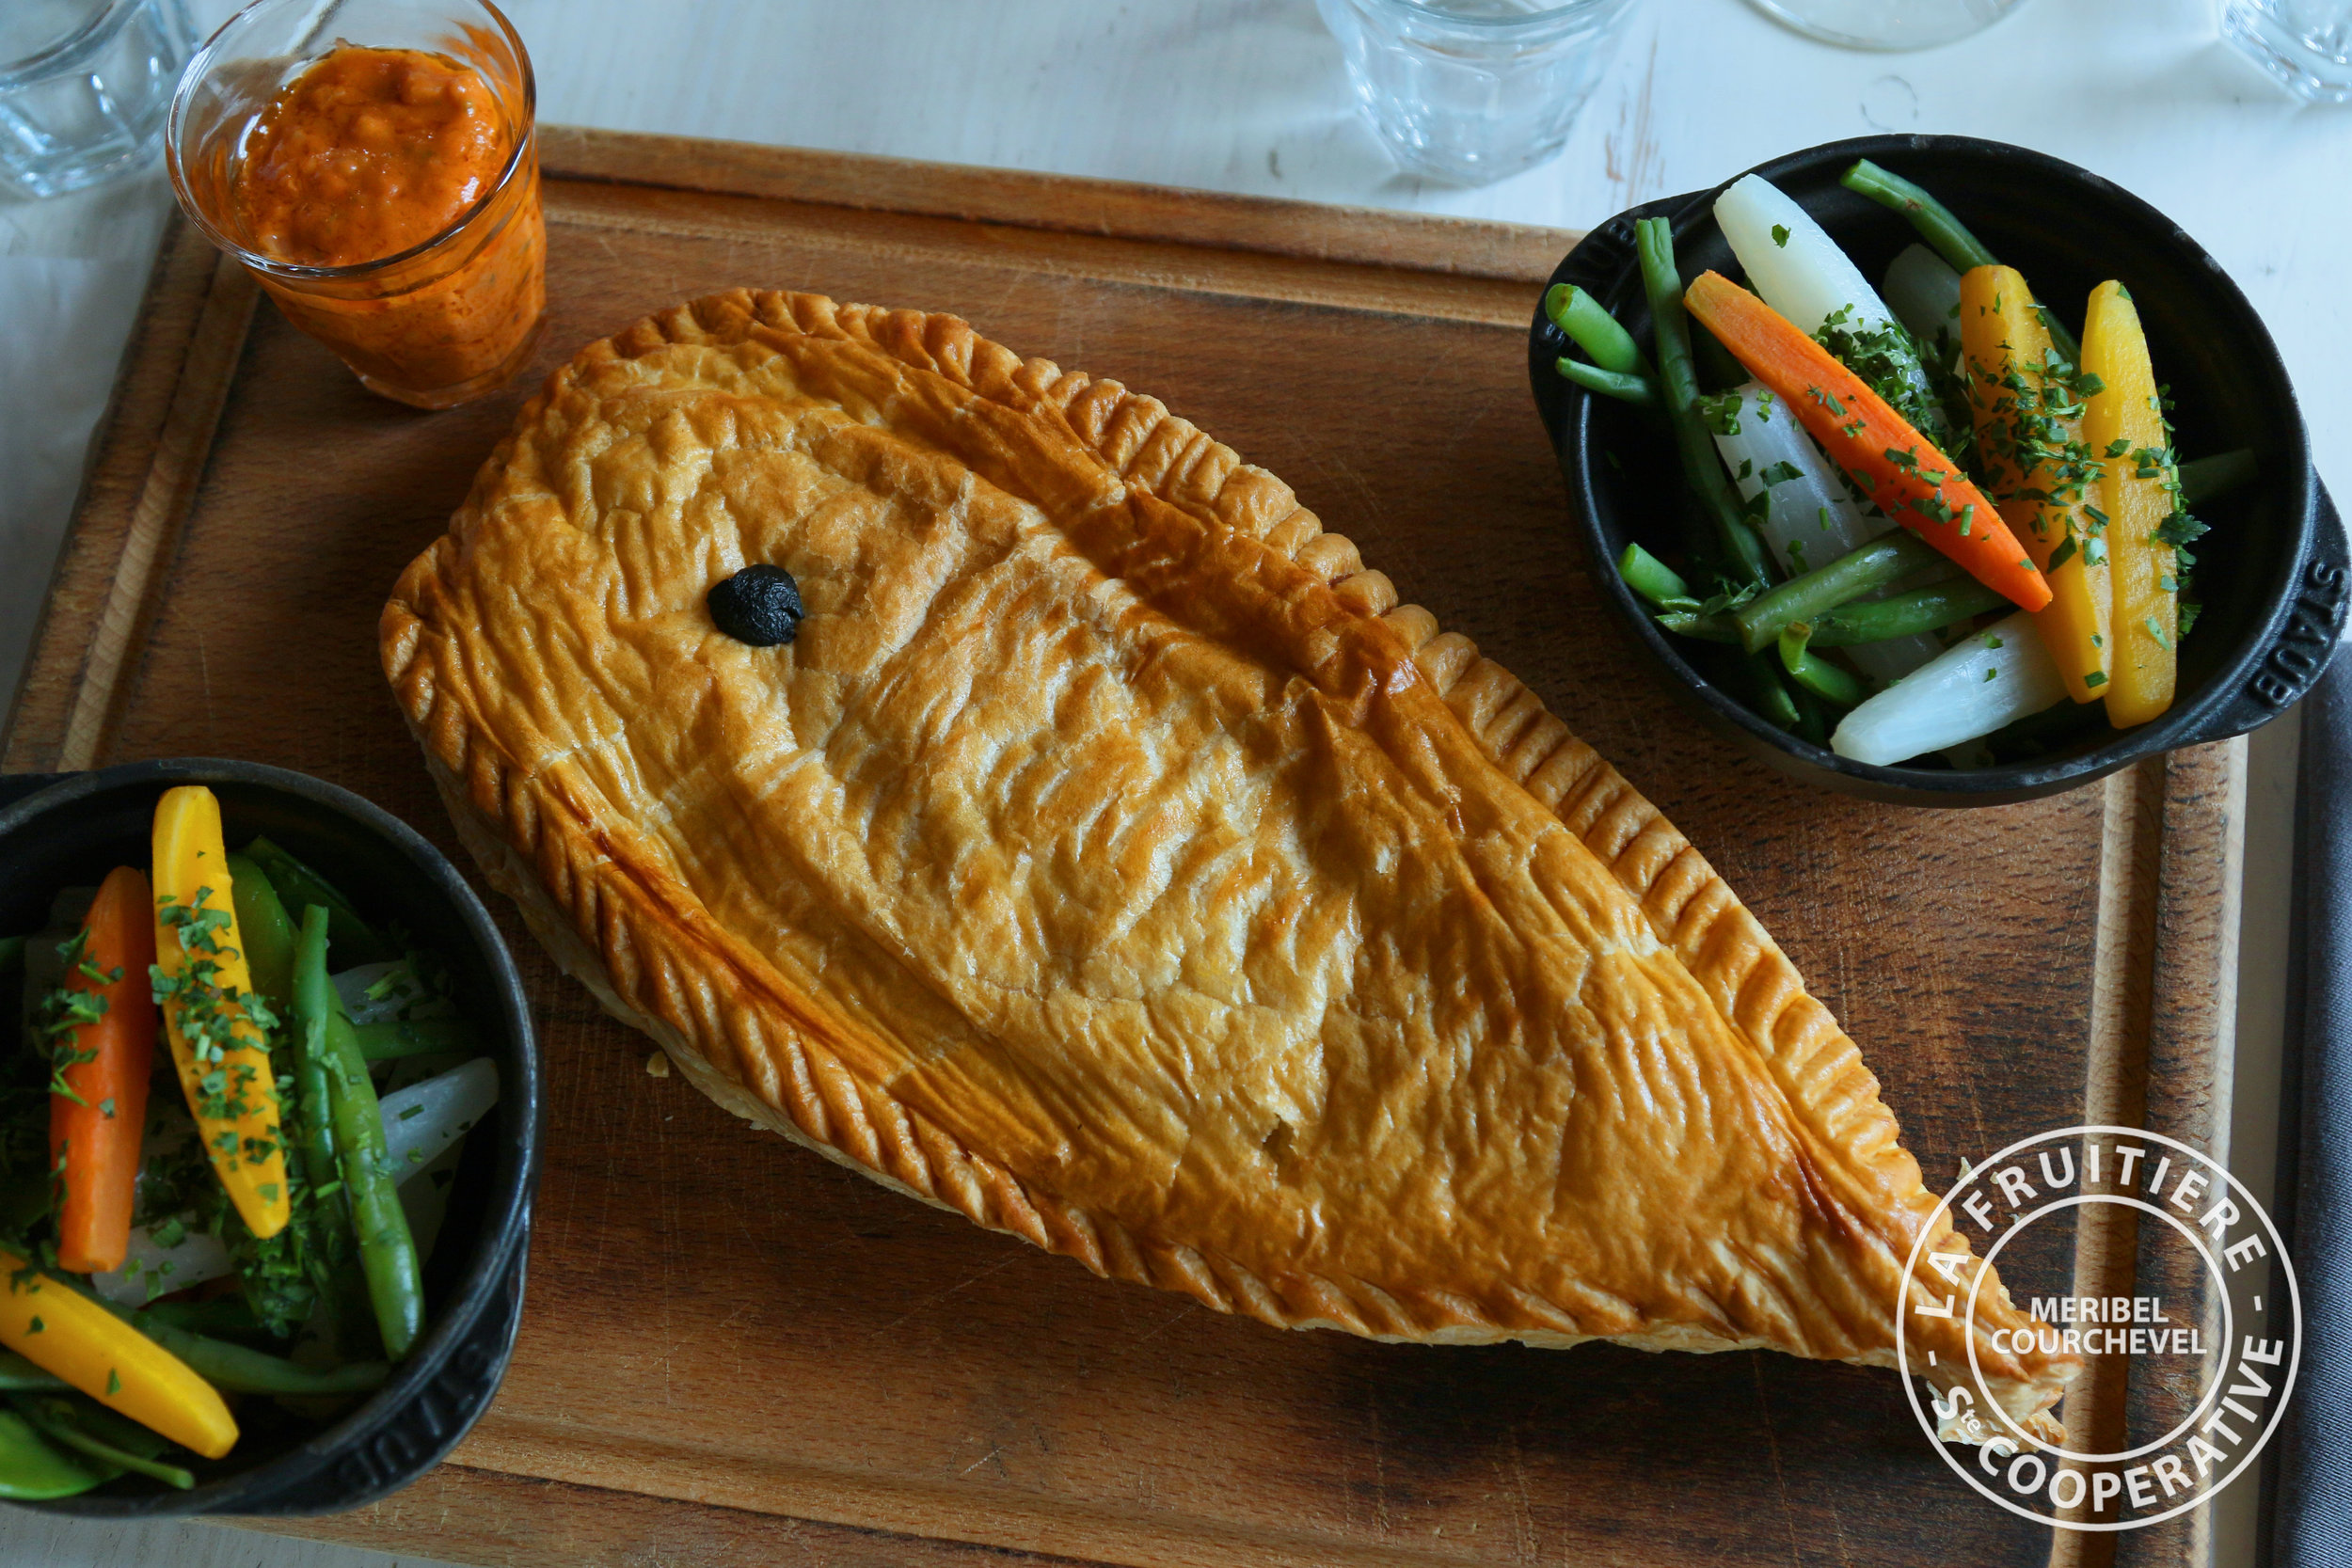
x=1994, y=678
x=1811, y=517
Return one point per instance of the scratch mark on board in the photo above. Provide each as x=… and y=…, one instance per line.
x=1635, y=163
x=204, y=671
x=1772, y=1440
x=931, y=1301
x=1523, y=1511
x=1169, y=1321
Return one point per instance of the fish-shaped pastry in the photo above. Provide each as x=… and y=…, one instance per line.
x=970, y=770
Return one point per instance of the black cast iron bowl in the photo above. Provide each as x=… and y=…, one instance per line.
x=2271, y=574
x=72, y=831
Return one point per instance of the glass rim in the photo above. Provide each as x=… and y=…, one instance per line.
x=79, y=40
x=194, y=210
x=1430, y=10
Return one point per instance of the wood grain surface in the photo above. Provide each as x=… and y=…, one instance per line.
x=736, y=1353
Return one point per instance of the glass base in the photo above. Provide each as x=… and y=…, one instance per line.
x=464, y=391
x=1471, y=91
x=1880, y=25
x=2313, y=76
x=1447, y=167
x=64, y=176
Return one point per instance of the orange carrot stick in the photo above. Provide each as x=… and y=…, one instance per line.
x=94, y=1132
x=1900, y=470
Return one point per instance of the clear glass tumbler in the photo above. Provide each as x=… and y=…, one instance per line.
x=2307, y=44
x=445, y=320
x=1469, y=91
x=85, y=86
x=1888, y=23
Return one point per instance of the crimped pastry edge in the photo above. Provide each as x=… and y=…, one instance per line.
x=617, y=939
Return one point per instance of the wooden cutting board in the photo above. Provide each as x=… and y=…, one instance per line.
x=737, y=1352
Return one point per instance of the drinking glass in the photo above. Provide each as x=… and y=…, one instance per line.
x=1469, y=91
x=1888, y=23
x=2306, y=44
x=443, y=321
x=83, y=87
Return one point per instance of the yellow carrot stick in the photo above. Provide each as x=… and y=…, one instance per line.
x=210, y=1012
x=2125, y=418
x=71, y=1337
x=2028, y=420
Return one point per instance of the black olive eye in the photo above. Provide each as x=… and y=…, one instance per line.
x=758, y=605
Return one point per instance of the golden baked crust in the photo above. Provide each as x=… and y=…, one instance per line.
x=1112, y=861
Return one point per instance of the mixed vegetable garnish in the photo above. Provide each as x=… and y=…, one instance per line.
x=244, y=1252
x=1922, y=522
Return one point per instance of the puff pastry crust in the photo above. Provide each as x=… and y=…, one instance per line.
x=1114, y=861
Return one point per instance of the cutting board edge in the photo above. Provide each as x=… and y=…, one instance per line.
x=1366, y=236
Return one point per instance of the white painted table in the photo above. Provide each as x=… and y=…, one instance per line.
x=1250, y=96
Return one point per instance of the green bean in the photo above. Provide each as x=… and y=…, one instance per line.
x=1592, y=328
x=388, y=1254
x=31, y=1469
x=1701, y=629
x=311, y=1005
x=1948, y=236
x=236, y=1370
x=1635, y=390
x=17, y=1373
x=1882, y=560
x=1741, y=553
x=391, y=1039
x=1829, y=682
x=2218, y=475
x=1944, y=233
x=1922, y=609
x=1651, y=577
x=1812, y=718
x=220, y=1315
x=355, y=940
x=1717, y=368
x=268, y=935
x=55, y=1418
x=2041, y=732
x=1753, y=678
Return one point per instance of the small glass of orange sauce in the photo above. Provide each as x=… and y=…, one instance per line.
x=374, y=163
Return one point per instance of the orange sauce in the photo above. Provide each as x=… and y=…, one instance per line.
x=368, y=153
x=396, y=156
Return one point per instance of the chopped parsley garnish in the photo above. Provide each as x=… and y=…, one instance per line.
x=1780, y=236
x=2179, y=531
x=68, y=1008
x=1888, y=360
x=210, y=1018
